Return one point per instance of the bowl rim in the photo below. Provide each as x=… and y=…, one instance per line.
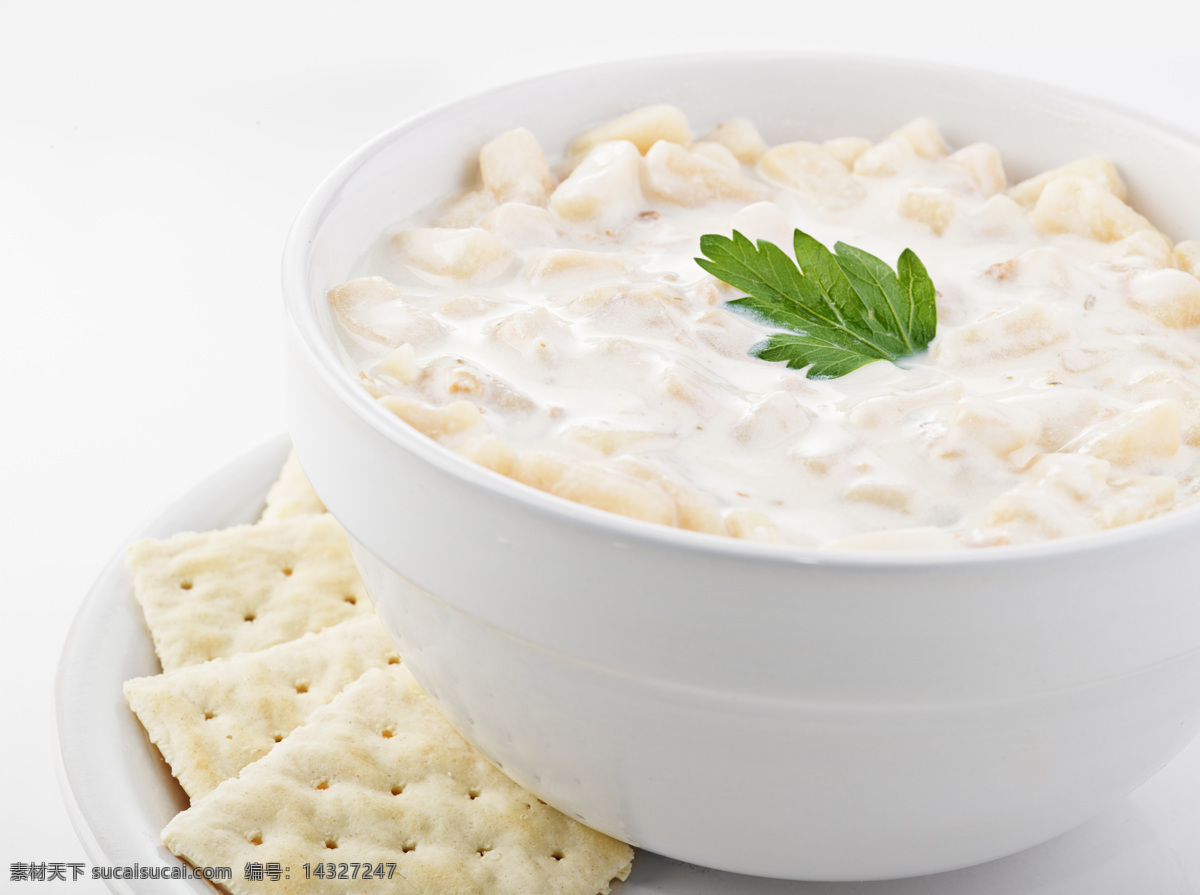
x=301, y=314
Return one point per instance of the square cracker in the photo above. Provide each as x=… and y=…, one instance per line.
x=213, y=594
x=211, y=720
x=291, y=495
x=379, y=777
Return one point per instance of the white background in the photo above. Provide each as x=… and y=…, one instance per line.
x=154, y=155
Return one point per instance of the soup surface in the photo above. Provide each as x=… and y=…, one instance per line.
x=552, y=324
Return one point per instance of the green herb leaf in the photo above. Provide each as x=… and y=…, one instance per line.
x=843, y=309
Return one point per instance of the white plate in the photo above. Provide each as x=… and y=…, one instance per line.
x=120, y=793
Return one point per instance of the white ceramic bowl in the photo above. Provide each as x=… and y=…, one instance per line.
x=757, y=708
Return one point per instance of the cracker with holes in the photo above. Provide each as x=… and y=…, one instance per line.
x=213, y=594
x=291, y=495
x=211, y=720
x=378, y=778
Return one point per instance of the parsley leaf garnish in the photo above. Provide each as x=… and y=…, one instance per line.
x=842, y=310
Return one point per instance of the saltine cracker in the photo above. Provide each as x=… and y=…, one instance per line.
x=211, y=594
x=379, y=777
x=291, y=495
x=211, y=720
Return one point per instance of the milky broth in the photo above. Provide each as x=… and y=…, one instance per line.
x=1061, y=395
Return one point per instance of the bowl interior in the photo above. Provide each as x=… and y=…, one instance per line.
x=788, y=96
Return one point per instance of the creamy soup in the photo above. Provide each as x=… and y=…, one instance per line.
x=551, y=323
